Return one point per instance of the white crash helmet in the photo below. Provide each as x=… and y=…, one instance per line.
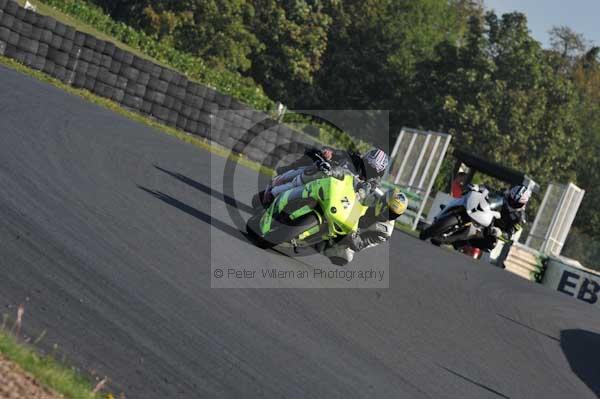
x=518, y=196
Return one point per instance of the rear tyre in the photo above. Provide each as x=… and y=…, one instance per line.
x=281, y=232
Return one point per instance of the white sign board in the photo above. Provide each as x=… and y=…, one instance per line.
x=573, y=281
x=415, y=162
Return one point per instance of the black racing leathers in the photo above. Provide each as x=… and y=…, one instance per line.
x=509, y=223
x=348, y=159
x=374, y=229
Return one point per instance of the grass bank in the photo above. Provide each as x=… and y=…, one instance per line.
x=46, y=370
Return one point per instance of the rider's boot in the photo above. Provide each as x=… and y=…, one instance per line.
x=267, y=196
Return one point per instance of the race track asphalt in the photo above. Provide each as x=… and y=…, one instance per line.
x=108, y=230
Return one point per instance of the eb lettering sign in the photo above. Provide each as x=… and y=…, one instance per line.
x=573, y=281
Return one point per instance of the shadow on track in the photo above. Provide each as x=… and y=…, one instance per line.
x=198, y=214
x=582, y=350
x=485, y=387
x=228, y=200
x=207, y=190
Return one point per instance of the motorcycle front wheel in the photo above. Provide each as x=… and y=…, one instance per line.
x=436, y=230
x=281, y=232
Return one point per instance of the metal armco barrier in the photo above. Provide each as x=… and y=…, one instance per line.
x=570, y=278
x=83, y=61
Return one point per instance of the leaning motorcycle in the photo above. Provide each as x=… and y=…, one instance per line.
x=464, y=218
x=321, y=210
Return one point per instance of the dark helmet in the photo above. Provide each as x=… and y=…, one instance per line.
x=375, y=162
x=518, y=196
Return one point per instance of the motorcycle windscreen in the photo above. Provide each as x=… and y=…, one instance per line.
x=341, y=205
x=451, y=205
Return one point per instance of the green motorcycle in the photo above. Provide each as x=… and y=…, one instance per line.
x=320, y=210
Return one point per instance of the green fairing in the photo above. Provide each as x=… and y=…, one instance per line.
x=300, y=212
x=338, y=208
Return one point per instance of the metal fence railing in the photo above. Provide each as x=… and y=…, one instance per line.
x=555, y=217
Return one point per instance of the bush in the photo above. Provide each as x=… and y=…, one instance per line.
x=225, y=81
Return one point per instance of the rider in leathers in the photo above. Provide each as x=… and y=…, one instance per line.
x=375, y=227
x=351, y=159
x=367, y=169
x=511, y=220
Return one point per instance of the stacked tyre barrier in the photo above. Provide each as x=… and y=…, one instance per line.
x=83, y=61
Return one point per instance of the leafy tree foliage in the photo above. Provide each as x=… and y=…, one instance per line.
x=294, y=39
x=567, y=42
x=215, y=30
x=586, y=76
x=499, y=97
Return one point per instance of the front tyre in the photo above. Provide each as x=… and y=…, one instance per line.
x=290, y=230
x=280, y=232
x=436, y=230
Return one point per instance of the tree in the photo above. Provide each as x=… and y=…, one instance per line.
x=568, y=43
x=215, y=30
x=373, y=48
x=293, y=37
x=586, y=77
x=125, y=10
x=498, y=96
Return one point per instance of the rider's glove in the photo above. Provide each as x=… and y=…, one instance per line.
x=363, y=189
x=472, y=187
x=496, y=232
x=355, y=241
x=324, y=166
x=364, y=185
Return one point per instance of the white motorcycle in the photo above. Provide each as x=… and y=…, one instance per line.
x=464, y=218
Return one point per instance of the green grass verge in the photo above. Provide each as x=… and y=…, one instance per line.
x=115, y=107
x=407, y=229
x=46, y=370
